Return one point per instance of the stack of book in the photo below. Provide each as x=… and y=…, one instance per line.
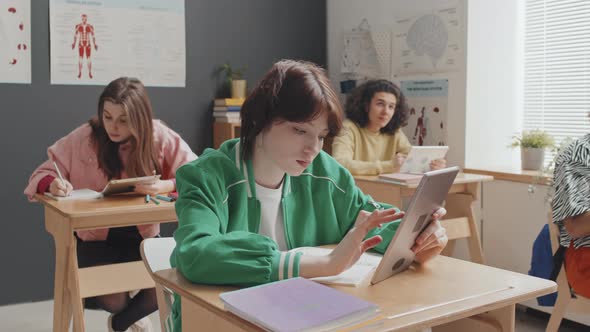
x=227, y=109
x=298, y=304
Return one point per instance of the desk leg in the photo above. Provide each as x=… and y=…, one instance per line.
x=500, y=320
x=503, y=318
x=74, y=286
x=461, y=205
x=58, y=227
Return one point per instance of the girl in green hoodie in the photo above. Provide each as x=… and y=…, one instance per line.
x=243, y=207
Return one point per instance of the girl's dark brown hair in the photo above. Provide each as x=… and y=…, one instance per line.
x=294, y=91
x=358, y=103
x=132, y=96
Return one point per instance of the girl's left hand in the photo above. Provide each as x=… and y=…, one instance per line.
x=432, y=240
x=157, y=187
x=399, y=160
x=438, y=164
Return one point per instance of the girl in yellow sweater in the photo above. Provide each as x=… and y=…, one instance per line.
x=371, y=141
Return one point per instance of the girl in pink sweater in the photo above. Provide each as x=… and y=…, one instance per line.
x=122, y=141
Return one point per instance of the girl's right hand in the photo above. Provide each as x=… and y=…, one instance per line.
x=60, y=188
x=351, y=247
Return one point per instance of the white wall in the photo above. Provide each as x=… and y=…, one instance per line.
x=344, y=15
x=493, y=106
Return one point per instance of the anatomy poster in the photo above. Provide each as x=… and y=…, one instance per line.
x=427, y=101
x=15, y=41
x=94, y=42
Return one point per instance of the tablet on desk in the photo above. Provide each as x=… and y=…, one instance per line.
x=428, y=197
x=127, y=185
x=419, y=158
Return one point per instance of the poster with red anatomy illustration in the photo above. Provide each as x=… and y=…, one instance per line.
x=427, y=101
x=94, y=42
x=15, y=41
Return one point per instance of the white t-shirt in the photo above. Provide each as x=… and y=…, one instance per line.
x=271, y=214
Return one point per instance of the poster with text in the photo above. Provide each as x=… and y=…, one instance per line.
x=15, y=41
x=427, y=101
x=94, y=42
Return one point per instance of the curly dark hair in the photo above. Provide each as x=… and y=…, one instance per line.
x=358, y=102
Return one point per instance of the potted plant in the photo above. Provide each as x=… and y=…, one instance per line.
x=234, y=78
x=532, y=145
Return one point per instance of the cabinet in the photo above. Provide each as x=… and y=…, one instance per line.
x=513, y=216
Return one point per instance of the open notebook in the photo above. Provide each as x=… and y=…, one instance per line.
x=354, y=276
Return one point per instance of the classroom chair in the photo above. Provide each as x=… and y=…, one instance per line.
x=155, y=253
x=565, y=301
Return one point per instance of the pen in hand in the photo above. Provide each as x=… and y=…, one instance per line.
x=61, y=178
x=59, y=173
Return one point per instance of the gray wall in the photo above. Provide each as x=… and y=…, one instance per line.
x=247, y=32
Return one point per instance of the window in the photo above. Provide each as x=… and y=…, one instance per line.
x=557, y=68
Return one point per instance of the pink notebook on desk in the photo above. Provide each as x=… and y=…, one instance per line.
x=297, y=304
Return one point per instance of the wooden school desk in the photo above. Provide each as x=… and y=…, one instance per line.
x=440, y=293
x=460, y=219
x=73, y=284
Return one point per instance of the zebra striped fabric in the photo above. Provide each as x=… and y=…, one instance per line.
x=572, y=187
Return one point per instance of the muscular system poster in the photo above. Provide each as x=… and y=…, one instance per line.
x=94, y=42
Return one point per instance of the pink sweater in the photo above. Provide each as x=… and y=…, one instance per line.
x=76, y=159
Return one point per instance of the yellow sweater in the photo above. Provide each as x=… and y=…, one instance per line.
x=366, y=153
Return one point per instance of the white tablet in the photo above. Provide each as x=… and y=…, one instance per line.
x=419, y=158
x=429, y=196
x=127, y=185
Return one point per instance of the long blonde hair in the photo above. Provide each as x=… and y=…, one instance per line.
x=132, y=96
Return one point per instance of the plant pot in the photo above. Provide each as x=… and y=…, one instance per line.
x=532, y=158
x=238, y=88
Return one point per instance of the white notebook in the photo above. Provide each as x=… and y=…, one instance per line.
x=78, y=194
x=354, y=276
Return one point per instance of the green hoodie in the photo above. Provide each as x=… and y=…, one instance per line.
x=217, y=240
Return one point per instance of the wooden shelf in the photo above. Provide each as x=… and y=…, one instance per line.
x=531, y=177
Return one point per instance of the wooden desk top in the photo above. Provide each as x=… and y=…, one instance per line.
x=461, y=178
x=112, y=211
x=444, y=290
x=103, y=206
